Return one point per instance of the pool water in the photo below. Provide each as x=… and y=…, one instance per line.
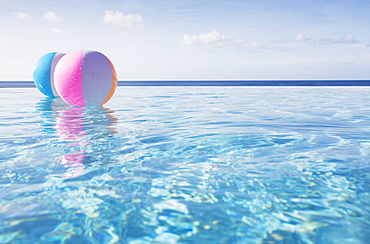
x=187, y=165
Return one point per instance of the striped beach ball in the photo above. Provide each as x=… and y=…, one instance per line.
x=43, y=75
x=85, y=78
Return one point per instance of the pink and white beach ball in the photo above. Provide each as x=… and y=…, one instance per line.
x=85, y=78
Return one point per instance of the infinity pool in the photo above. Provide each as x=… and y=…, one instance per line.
x=187, y=165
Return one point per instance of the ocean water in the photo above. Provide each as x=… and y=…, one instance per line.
x=187, y=165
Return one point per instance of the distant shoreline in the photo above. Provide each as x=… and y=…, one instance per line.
x=30, y=84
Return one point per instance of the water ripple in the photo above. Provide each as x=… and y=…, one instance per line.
x=188, y=165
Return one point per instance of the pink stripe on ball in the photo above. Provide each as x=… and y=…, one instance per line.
x=68, y=78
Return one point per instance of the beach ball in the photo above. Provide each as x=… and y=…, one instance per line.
x=85, y=78
x=43, y=75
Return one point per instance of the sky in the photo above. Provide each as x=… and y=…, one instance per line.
x=193, y=39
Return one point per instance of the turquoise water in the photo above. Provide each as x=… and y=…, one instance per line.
x=187, y=165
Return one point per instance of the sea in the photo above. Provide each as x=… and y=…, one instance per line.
x=188, y=162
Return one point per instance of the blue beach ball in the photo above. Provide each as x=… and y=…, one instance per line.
x=43, y=75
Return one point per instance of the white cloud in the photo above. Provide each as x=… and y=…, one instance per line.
x=57, y=31
x=21, y=15
x=216, y=38
x=51, y=16
x=213, y=37
x=119, y=19
x=246, y=44
x=292, y=44
x=301, y=38
x=346, y=39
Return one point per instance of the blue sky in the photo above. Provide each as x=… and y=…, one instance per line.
x=189, y=39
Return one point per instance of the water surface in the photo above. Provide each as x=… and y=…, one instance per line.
x=187, y=165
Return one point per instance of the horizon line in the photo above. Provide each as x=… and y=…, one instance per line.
x=200, y=80
x=31, y=84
